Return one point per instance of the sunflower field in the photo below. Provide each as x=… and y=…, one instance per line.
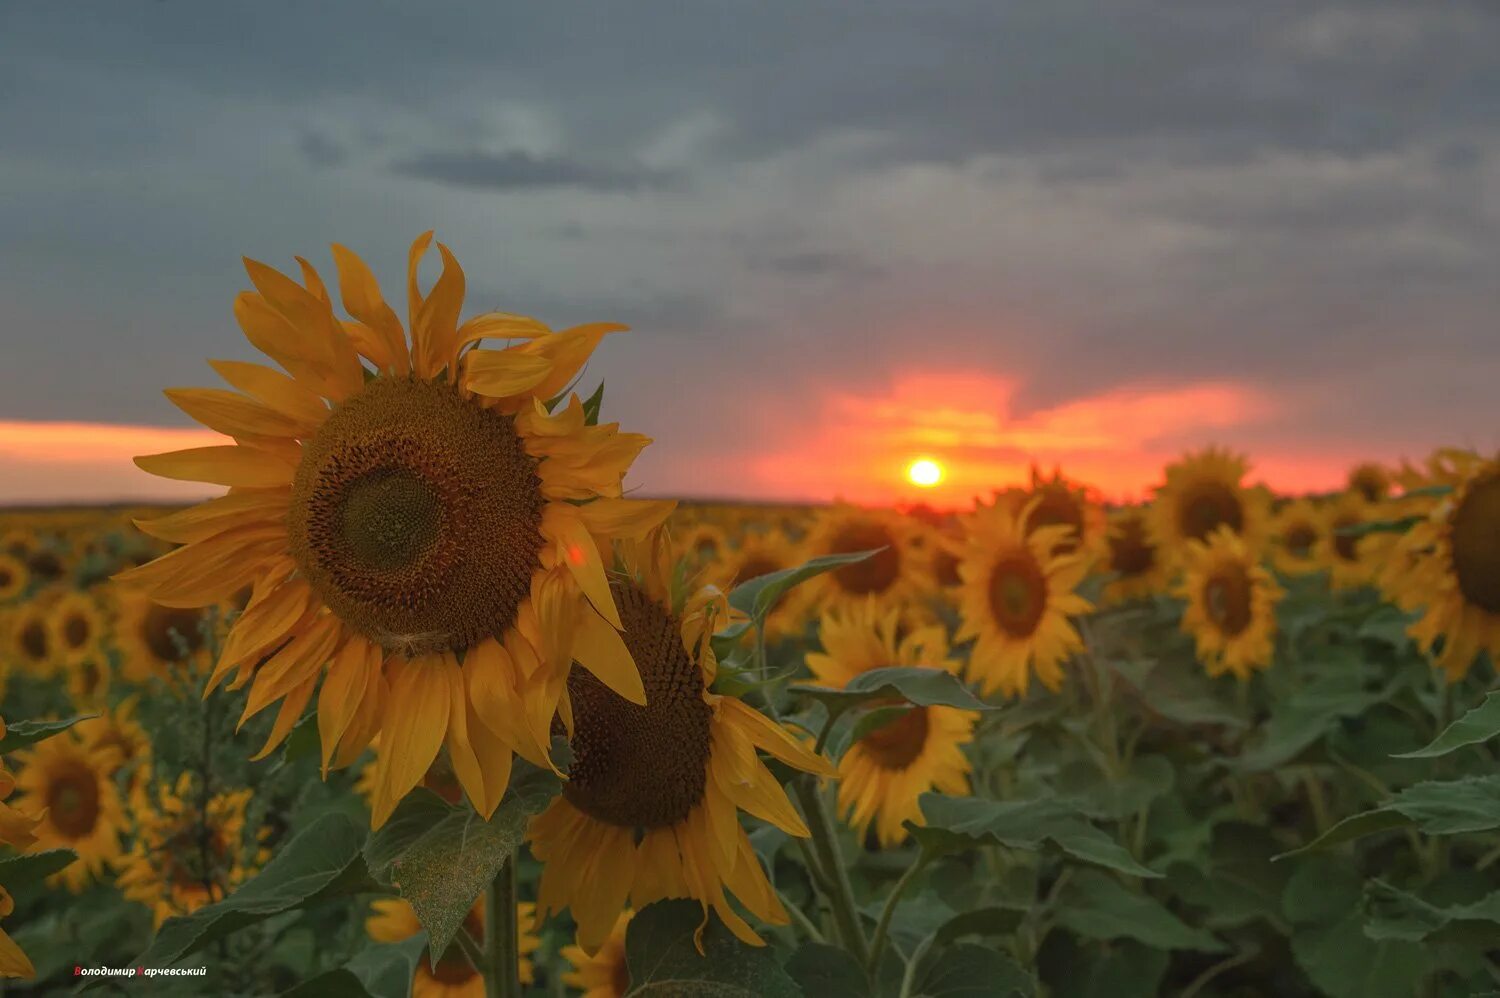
x=425, y=702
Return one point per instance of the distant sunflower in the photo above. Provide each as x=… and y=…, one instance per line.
x=31, y=638
x=1454, y=571
x=426, y=528
x=153, y=639
x=14, y=577
x=650, y=807
x=1133, y=559
x=1298, y=533
x=1061, y=502
x=882, y=775
x=116, y=730
x=1016, y=599
x=77, y=626
x=896, y=576
x=703, y=543
x=17, y=830
x=68, y=786
x=1203, y=492
x=184, y=858
x=1342, y=555
x=393, y=920
x=761, y=553
x=1231, y=604
x=605, y=974
x=1372, y=481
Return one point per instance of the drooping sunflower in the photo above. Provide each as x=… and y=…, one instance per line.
x=17, y=830
x=68, y=785
x=184, y=858
x=605, y=974
x=1203, y=492
x=1370, y=480
x=1345, y=556
x=426, y=527
x=1018, y=593
x=896, y=576
x=152, y=639
x=1231, y=604
x=15, y=577
x=882, y=775
x=393, y=920
x=1132, y=557
x=1297, y=535
x=1453, y=571
x=1058, y=501
x=650, y=808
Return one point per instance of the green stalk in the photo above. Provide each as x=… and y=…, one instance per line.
x=826, y=847
x=502, y=953
x=883, y=927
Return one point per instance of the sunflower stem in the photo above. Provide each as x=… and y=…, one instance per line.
x=502, y=957
x=838, y=888
x=883, y=927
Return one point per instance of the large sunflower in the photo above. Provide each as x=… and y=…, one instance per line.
x=1297, y=535
x=424, y=526
x=1017, y=596
x=451, y=975
x=1203, y=492
x=651, y=803
x=882, y=775
x=896, y=576
x=17, y=830
x=1133, y=560
x=184, y=856
x=605, y=973
x=1231, y=604
x=68, y=785
x=1453, y=570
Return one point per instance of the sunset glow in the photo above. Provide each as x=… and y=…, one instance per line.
x=925, y=473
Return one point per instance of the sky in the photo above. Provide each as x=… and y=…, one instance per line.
x=1086, y=233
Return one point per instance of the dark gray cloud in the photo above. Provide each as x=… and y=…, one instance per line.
x=510, y=171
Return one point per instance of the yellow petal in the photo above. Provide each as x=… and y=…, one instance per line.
x=569, y=350
x=13, y=960
x=287, y=718
x=413, y=292
x=503, y=373
x=434, y=332
x=343, y=690
x=286, y=395
x=500, y=326
x=234, y=415
x=773, y=738
x=363, y=300
x=599, y=648
x=628, y=518
x=576, y=549
x=233, y=465
x=415, y=725
x=200, y=522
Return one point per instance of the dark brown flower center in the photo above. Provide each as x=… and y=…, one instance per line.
x=33, y=639
x=170, y=633
x=73, y=799
x=756, y=566
x=416, y=516
x=1018, y=594
x=634, y=766
x=945, y=568
x=1206, y=506
x=1130, y=552
x=1370, y=481
x=1299, y=539
x=76, y=631
x=1344, y=545
x=897, y=744
x=876, y=573
x=1475, y=537
x=1226, y=599
x=1058, y=507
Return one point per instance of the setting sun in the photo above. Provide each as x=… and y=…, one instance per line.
x=925, y=472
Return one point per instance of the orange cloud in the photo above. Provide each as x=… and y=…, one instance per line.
x=90, y=462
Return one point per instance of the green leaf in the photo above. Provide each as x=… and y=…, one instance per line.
x=955, y=824
x=1356, y=826
x=758, y=596
x=592, y=405
x=1178, y=694
x=990, y=921
x=1478, y=725
x=441, y=857
x=1453, y=807
x=1094, y=794
x=1399, y=526
x=1123, y=969
x=19, y=734
x=1345, y=963
x=19, y=871
x=1095, y=905
x=917, y=685
x=969, y=971
x=663, y=960
x=379, y=971
x=828, y=972
x=322, y=862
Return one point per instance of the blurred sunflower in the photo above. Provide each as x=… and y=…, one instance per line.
x=152, y=638
x=76, y=627
x=1231, y=604
x=1016, y=599
x=1454, y=570
x=1203, y=492
x=393, y=920
x=703, y=543
x=1132, y=557
x=436, y=509
x=761, y=553
x=69, y=788
x=1060, y=502
x=882, y=775
x=896, y=576
x=1297, y=535
x=1341, y=554
x=650, y=808
x=184, y=858
x=1370, y=480
x=605, y=974
x=117, y=730
x=14, y=577
x=30, y=638
x=17, y=830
